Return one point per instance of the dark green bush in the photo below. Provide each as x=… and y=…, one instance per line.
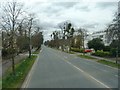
x=102, y=53
x=106, y=48
x=113, y=52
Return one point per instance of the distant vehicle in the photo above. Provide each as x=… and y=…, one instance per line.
x=89, y=50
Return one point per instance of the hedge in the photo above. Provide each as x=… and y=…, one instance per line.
x=77, y=50
x=102, y=53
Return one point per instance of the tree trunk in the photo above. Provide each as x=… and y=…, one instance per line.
x=13, y=65
x=30, y=37
x=29, y=51
x=12, y=48
x=70, y=44
x=83, y=46
x=116, y=55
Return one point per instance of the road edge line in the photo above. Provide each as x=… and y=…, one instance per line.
x=28, y=77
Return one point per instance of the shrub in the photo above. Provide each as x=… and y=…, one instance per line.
x=77, y=50
x=106, y=48
x=113, y=52
x=81, y=50
x=102, y=53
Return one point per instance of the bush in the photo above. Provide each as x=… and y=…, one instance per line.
x=102, y=53
x=81, y=50
x=77, y=50
x=106, y=48
x=113, y=52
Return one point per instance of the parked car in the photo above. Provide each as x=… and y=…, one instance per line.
x=89, y=50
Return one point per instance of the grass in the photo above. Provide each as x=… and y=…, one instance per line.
x=0, y=83
x=112, y=64
x=22, y=69
x=87, y=57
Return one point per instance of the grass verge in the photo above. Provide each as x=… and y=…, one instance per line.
x=87, y=57
x=22, y=69
x=0, y=83
x=112, y=64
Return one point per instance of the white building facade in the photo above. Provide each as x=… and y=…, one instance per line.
x=98, y=34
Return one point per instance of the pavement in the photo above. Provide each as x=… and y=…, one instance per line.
x=57, y=69
x=8, y=63
x=5, y=64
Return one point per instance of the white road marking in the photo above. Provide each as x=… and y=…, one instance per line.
x=25, y=84
x=74, y=66
x=87, y=74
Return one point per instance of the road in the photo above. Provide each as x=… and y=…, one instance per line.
x=57, y=69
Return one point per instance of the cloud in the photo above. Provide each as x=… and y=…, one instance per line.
x=65, y=4
x=92, y=16
x=87, y=14
x=92, y=25
x=104, y=5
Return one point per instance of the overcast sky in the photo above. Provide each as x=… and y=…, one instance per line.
x=92, y=15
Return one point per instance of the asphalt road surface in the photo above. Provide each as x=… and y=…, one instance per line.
x=57, y=69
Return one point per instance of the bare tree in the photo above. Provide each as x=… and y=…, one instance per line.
x=31, y=23
x=37, y=38
x=29, y=28
x=83, y=34
x=67, y=30
x=10, y=23
x=113, y=32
